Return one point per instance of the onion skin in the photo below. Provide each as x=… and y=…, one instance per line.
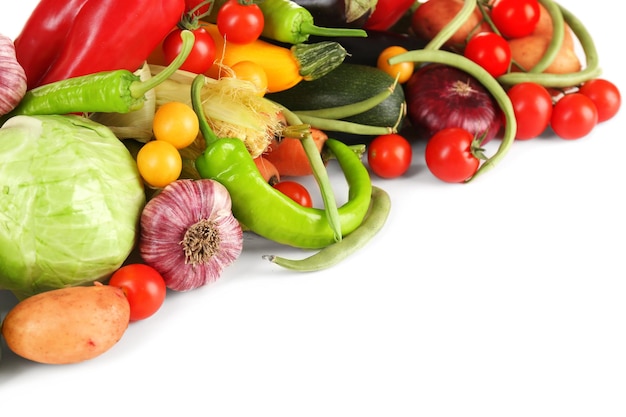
x=12, y=77
x=440, y=96
x=170, y=218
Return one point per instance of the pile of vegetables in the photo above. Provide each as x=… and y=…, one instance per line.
x=199, y=129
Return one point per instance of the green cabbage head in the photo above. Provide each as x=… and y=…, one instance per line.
x=70, y=201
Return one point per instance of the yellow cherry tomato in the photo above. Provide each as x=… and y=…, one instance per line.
x=159, y=163
x=402, y=70
x=176, y=123
x=253, y=72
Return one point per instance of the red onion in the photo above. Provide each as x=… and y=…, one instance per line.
x=440, y=96
x=189, y=233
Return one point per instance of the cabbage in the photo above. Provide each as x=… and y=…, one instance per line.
x=70, y=201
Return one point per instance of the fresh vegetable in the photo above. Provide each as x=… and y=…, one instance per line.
x=143, y=287
x=86, y=45
x=440, y=96
x=202, y=54
x=574, y=115
x=289, y=157
x=403, y=70
x=47, y=27
x=12, y=77
x=605, y=95
x=387, y=13
x=532, y=104
x=365, y=51
x=252, y=72
x=389, y=156
x=452, y=154
x=340, y=13
x=296, y=191
x=515, y=18
x=257, y=205
x=287, y=21
x=345, y=86
x=71, y=201
x=67, y=325
x=189, y=234
x=240, y=21
x=119, y=91
x=491, y=51
x=268, y=170
x=331, y=255
x=159, y=163
x=284, y=67
x=176, y=123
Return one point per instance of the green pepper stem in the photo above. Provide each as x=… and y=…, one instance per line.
x=319, y=173
x=490, y=83
x=307, y=28
x=140, y=88
x=196, y=103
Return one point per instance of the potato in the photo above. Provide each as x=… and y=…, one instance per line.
x=67, y=325
x=431, y=16
x=544, y=28
x=528, y=50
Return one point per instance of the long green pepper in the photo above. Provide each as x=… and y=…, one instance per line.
x=118, y=91
x=266, y=211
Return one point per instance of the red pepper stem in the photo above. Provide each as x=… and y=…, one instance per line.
x=140, y=88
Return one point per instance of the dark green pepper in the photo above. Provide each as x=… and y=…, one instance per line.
x=266, y=211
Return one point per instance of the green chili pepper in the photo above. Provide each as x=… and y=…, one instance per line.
x=266, y=211
x=287, y=21
x=335, y=253
x=118, y=91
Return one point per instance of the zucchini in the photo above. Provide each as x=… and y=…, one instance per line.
x=346, y=84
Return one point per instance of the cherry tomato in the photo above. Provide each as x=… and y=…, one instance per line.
x=240, y=22
x=605, y=95
x=202, y=54
x=144, y=288
x=515, y=18
x=253, y=72
x=176, y=123
x=574, y=116
x=532, y=104
x=402, y=70
x=159, y=163
x=389, y=156
x=491, y=51
x=296, y=191
x=450, y=155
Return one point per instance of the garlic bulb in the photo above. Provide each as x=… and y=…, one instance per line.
x=189, y=234
x=12, y=77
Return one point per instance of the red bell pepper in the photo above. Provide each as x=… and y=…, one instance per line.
x=387, y=13
x=102, y=35
x=45, y=30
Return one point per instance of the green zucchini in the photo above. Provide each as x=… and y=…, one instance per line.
x=346, y=84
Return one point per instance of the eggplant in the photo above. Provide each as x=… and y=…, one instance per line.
x=339, y=13
x=365, y=51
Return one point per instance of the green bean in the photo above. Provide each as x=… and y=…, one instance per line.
x=558, y=32
x=373, y=222
x=453, y=25
x=591, y=70
x=347, y=127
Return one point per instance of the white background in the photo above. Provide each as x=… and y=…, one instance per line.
x=502, y=297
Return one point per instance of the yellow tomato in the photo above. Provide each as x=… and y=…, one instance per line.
x=159, y=163
x=402, y=70
x=253, y=72
x=176, y=123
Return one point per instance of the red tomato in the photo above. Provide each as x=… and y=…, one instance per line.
x=240, y=23
x=296, y=191
x=144, y=288
x=532, y=104
x=574, y=116
x=605, y=95
x=491, y=51
x=202, y=54
x=515, y=18
x=450, y=155
x=389, y=156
